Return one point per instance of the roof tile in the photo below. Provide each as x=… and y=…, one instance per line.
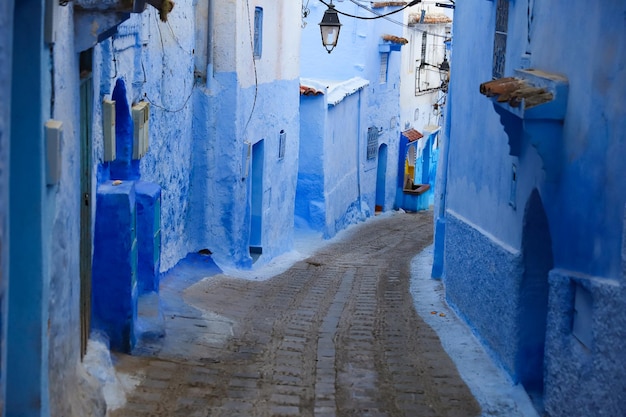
x=381, y=4
x=516, y=91
x=395, y=39
x=412, y=135
x=309, y=91
x=429, y=18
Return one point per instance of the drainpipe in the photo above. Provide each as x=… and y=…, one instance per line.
x=210, y=39
x=358, y=153
x=440, y=216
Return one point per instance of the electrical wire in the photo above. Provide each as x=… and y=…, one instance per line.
x=413, y=3
x=256, y=80
x=386, y=17
x=178, y=41
x=145, y=95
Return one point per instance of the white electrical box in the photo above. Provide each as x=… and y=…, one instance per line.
x=54, y=136
x=50, y=21
x=141, y=117
x=108, y=127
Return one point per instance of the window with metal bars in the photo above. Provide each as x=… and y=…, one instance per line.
x=258, y=32
x=499, y=39
x=372, y=142
x=384, y=60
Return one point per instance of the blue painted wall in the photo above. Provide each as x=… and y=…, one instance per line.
x=485, y=228
x=310, y=205
x=6, y=40
x=40, y=323
x=349, y=193
x=27, y=342
x=222, y=174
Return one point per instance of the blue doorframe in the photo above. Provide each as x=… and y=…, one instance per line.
x=27, y=343
x=381, y=177
x=256, y=197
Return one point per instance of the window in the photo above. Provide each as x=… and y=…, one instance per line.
x=499, y=39
x=424, y=44
x=513, y=192
x=372, y=142
x=282, y=140
x=384, y=59
x=258, y=32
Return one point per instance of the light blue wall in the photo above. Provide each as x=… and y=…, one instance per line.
x=310, y=209
x=156, y=64
x=584, y=203
x=349, y=177
x=6, y=41
x=220, y=188
x=342, y=182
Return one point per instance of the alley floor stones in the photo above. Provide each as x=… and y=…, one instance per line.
x=335, y=335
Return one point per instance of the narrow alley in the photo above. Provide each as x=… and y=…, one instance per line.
x=335, y=335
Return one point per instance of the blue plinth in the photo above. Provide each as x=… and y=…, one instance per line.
x=148, y=196
x=114, y=275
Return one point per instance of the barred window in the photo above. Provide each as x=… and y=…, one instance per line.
x=372, y=142
x=499, y=40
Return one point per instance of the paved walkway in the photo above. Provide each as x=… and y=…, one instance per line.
x=335, y=335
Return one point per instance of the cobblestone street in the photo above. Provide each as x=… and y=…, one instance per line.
x=335, y=335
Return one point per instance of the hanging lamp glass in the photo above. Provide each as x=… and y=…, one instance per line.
x=329, y=28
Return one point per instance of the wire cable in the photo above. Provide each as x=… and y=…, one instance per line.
x=378, y=16
x=256, y=80
x=386, y=17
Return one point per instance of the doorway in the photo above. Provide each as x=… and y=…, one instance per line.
x=256, y=200
x=86, y=111
x=381, y=177
x=533, y=299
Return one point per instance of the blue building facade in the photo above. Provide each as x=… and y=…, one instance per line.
x=129, y=137
x=350, y=131
x=530, y=214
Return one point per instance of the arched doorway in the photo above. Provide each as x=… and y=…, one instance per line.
x=381, y=177
x=533, y=298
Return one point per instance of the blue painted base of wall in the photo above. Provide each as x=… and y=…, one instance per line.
x=482, y=280
x=355, y=213
x=148, y=235
x=439, y=247
x=114, y=282
x=585, y=379
x=412, y=202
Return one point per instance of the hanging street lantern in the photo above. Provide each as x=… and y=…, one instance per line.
x=329, y=27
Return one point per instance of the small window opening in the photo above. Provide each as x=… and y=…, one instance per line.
x=513, y=192
x=282, y=140
x=384, y=59
x=372, y=142
x=258, y=32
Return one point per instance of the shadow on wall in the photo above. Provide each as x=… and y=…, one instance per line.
x=533, y=299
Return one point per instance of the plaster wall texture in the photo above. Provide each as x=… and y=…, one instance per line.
x=234, y=23
x=375, y=104
x=155, y=60
x=310, y=204
x=341, y=162
x=584, y=203
x=247, y=101
x=221, y=195
x=6, y=40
